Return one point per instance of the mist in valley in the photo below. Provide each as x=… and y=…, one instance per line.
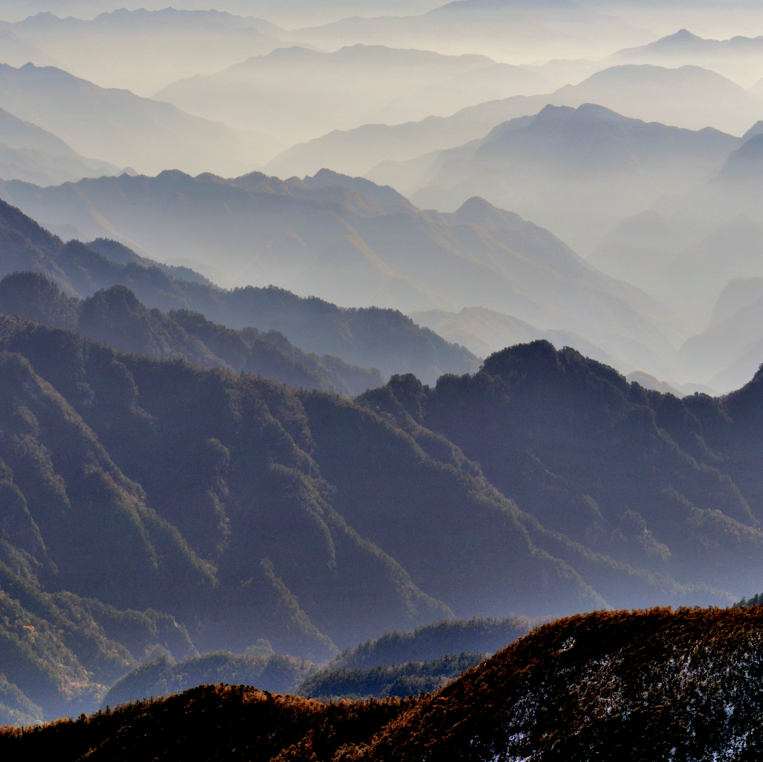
x=321, y=320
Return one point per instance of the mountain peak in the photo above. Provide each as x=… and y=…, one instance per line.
x=682, y=35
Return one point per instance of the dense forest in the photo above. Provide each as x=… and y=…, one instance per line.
x=232, y=504
x=154, y=508
x=652, y=685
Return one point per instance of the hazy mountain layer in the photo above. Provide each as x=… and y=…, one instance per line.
x=576, y=171
x=34, y=155
x=141, y=50
x=122, y=128
x=485, y=331
x=688, y=247
x=687, y=97
x=740, y=58
x=373, y=337
x=526, y=29
x=345, y=89
x=339, y=239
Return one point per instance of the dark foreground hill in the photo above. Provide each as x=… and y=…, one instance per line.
x=650, y=685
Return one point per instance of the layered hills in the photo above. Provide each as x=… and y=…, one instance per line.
x=663, y=684
x=576, y=171
x=528, y=29
x=349, y=240
x=116, y=317
x=686, y=249
x=131, y=48
x=543, y=484
x=37, y=156
x=344, y=89
x=124, y=129
x=738, y=58
x=370, y=337
x=688, y=97
x=249, y=511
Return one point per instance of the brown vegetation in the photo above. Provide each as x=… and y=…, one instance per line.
x=649, y=685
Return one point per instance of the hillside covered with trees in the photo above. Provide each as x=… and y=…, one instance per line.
x=231, y=503
x=155, y=507
x=656, y=684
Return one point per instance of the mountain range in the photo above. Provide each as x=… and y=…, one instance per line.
x=536, y=30
x=139, y=49
x=688, y=247
x=369, y=337
x=344, y=89
x=687, y=97
x=738, y=58
x=347, y=240
x=124, y=129
x=245, y=510
x=575, y=171
x=34, y=155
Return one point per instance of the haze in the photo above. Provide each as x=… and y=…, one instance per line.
x=296, y=292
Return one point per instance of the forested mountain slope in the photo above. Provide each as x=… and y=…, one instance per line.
x=246, y=510
x=663, y=684
x=548, y=429
x=115, y=317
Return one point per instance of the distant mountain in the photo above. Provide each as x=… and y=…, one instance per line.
x=34, y=155
x=576, y=171
x=358, y=151
x=688, y=246
x=737, y=58
x=432, y=641
x=163, y=676
x=734, y=250
x=731, y=348
x=138, y=49
x=313, y=237
x=639, y=247
x=533, y=30
x=124, y=129
x=400, y=680
x=485, y=331
x=344, y=89
x=738, y=293
x=366, y=337
x=687, y=97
